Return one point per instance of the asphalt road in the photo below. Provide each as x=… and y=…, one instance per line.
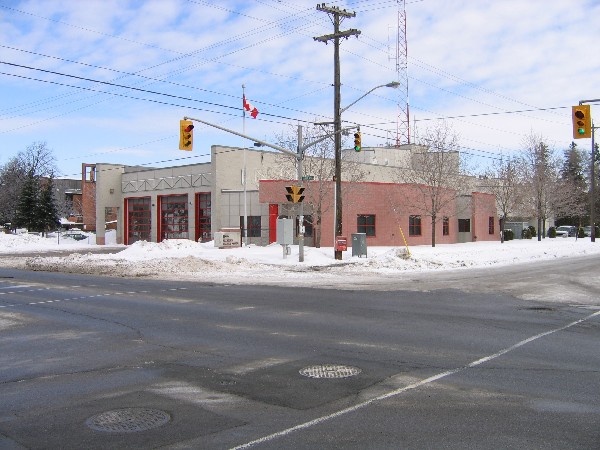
x=503, y=358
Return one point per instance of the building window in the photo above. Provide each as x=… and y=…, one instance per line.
x=491, y=225
x=365, y=223
x=464, y=225
x=446, y=226
x=173, y=217
x=254, y=226
x=203, y=217
x=414, y=226
x=138, y=220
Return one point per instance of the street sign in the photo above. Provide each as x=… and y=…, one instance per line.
x=308, y=178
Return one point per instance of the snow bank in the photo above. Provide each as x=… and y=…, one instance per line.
x=186, y=259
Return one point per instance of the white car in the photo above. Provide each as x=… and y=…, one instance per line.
x=565, y=231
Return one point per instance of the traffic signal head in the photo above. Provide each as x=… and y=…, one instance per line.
x=186, y=135
x=582, y=121
x=294, y=194
x=357, y=144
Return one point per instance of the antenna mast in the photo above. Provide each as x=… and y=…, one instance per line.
x=403, y=123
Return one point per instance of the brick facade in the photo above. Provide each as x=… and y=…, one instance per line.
x=392, y=205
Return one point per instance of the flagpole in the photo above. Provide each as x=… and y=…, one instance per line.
x=245, y=223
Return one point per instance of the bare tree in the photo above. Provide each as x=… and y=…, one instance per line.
x=502, y=180
x=436, y=173
x=541, y=180
x=37, y=160
x=318, y=163
x=12, y=178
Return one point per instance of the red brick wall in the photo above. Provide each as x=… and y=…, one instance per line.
x=484, y=207
x=392, y=204
x=88, y=196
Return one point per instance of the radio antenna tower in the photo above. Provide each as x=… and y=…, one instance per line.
x=403, y=122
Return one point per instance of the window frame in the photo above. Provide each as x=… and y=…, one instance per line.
x=370, y=229
x=253, y=226
x=415, y=227
x=461, y=225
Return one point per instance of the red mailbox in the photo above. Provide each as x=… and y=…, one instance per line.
x=341, y=243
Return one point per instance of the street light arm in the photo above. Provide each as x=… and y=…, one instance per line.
x=327, y=136
x=266, y=144
x=393, y=84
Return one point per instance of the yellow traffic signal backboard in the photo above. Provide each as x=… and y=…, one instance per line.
x=294, y=194
x=186, y=135
x=582, y=121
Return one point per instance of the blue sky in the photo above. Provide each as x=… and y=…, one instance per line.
x=477, y=64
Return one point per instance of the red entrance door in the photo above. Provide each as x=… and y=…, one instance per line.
x=273, y=214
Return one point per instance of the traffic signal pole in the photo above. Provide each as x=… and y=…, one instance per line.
x=593, y=188
x=299, y=162
x=592, y=171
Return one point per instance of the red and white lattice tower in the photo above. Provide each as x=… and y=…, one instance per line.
x=403, y=123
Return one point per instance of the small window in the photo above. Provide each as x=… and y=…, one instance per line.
x=254, y=226
x=491, y=225
x=365, y=223
x=414, y=226
x=464, y=225
x=446, y=226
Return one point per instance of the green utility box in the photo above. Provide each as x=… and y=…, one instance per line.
x=359, y=244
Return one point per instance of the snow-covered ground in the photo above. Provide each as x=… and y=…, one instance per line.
x=184, y=259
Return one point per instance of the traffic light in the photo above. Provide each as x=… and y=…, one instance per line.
x=357, y=144
x=186, y=135
x=294, y=194
x=582, y=122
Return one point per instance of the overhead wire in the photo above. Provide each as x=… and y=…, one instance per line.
x=221, y=62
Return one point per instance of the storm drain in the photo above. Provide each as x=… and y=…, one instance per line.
x=330, y=371
x=128, y=420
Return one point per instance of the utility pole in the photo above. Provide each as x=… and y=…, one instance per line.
x=337, y=14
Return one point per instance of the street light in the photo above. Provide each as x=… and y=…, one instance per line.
x=338, y=156
x=393, y=84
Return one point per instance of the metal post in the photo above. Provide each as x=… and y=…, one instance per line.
x=299, y=159
x=593, y=189
x=245, y=220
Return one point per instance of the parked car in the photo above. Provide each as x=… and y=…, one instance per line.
x=566, y=230
x=587, y=231
x=77, y=235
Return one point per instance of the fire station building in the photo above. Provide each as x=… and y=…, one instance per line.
x=241, y=185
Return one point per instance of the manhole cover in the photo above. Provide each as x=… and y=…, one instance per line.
x=330, y=371
x=128, y=420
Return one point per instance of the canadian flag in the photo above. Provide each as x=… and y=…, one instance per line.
x=250, y=107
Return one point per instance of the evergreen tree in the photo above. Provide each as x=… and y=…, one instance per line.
x=27, y=208
x=573, y=187
x=47, y=210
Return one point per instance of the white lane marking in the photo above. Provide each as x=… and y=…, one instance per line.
x=43, y=302
x=415, y=385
